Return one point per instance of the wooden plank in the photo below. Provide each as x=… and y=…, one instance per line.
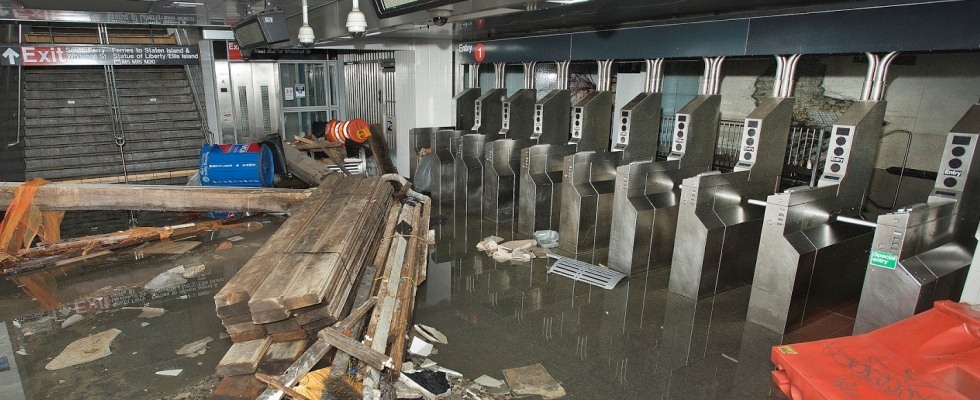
x=90, y=196
x=369, y=356
x=315, y=352
x=304, y=167
x=288, y=324
x=236, y=319
x=239, y=288
x=289, y=336
x=281, y=355
x=243, y=358
x=266, y=304
x=247, y=336
x=312, y=313
x=238, y=388
x=379, y=148
x=310, y=281
x=279, y=386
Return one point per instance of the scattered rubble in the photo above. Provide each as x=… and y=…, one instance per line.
x=169, y=279
x=170, y=372
x=72, y=320
x=514, y=250
x=147, y=312
x=195, y=348
x=431, y=334
x=533, y=380
x=193, y=272
x=84, y=350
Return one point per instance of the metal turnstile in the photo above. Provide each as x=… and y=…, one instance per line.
x=592, y=121
x=419, y=139
x=646, y=194
x=540, y=187
x=718, y=231
x=638, y=128
x=500, y=178
x=469, y=155
x=517, y=115
x=552, y=117
x=489, y=109
x=922, y=253
x=808, y=258
x=586, y=200
x=465, y=103
x=444, y=169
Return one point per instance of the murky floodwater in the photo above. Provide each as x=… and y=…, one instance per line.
x=105, y=291
x=637, y=341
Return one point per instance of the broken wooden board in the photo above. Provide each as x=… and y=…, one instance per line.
x=83, y=196
x=238, y=387
x=243, y=358
x=281, y=355
x=358, y=350
x=304, y=167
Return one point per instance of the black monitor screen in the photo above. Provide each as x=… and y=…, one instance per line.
x=249, y=35
x=391, y=8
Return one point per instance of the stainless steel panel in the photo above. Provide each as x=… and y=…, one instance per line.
x=646, y=196
x=518, y=115
x=717, y=237
x=540, y=187
x=922, y=253
x=501, y=173
x=444, y=170
x=552, y=118
x=469, y=173
x=638, y=128
x=587, y=187
x=465, y=103
x=592, y=121
x=807, y=261
x=488, y=111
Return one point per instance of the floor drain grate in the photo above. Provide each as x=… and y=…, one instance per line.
x=585, y=272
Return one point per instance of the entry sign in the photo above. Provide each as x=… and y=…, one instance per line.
x=883, y=259
x=65, y=55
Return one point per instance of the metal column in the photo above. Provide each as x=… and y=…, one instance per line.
x=922, y=253
x=501, y=177
x=540, y=187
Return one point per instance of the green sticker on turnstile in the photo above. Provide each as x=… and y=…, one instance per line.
x=883, y=259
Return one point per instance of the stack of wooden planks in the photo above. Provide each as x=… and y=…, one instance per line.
x=301, y=279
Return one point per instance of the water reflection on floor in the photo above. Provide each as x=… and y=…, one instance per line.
x=637, y=341
x=102, y=290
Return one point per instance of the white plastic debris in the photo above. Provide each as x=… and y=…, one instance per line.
x=489, y=381
x=420, y=347
x=72, y=320
x=169, y=279
x=170, y=372
x=431, y=334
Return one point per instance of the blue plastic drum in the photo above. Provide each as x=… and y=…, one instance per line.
x=248, y=165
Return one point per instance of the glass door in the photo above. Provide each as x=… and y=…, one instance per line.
x=310, y=96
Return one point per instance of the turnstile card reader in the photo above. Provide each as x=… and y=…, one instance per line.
x=587, y=187
x=488, y=113
x=717, y=236
x=592, y=121
x=518, y=115
x=646, y=195
x=501, y=175
x=922, y=253
x=807, y=260
x=638, y=128
x=539, y=203
x=465, y=103
x=444, y=170
x=469, y=155
x=552, y=118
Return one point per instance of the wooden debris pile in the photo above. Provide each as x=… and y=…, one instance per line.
x=302, y=281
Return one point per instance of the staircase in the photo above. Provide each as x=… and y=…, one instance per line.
x=68, y=125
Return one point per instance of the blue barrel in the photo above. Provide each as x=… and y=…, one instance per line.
x=247, y=165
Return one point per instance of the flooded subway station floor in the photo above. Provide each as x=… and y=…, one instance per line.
x=108, y=293
x=636, y=341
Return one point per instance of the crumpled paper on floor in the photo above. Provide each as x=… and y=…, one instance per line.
x=514, y=250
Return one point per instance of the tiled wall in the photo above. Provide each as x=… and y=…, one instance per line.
x=423, y=92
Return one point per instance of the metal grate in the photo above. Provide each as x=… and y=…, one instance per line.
x=585, y=272
x=243, y=111
x=266, y=109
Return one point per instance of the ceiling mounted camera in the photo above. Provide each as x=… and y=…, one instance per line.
x=305, y=36
x=356, y=23
x=440, y=15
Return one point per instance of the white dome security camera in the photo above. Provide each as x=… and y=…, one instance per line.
x=440, y=15
x=356, y=23
x=306, y=36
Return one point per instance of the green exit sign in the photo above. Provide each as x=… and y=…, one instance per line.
x=883, y=259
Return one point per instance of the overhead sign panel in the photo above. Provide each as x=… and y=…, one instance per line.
x=67, y=55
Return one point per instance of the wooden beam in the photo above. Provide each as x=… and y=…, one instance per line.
x=379, y=147
x=304, y=167
x=82, y=196
x=375, y=359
